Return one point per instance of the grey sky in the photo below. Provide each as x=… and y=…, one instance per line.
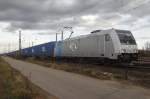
x=84, y=15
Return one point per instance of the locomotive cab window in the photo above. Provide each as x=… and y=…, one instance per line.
x=107, y=37
x=126, y=37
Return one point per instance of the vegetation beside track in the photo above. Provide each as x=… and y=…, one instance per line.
x=15, y=86
x=103, y=72
x=144, y=53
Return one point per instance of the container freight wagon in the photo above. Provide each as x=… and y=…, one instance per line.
x=26, y=52
x=12, y=54
x=42, y=50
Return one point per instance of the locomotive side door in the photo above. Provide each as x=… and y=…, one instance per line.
x=108, y=46
x=101, y=44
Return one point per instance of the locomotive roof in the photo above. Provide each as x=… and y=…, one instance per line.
x=96, y=32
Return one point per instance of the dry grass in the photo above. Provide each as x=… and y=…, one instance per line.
x=87, y=70
x=144, y=53
x=139, y=78
x=14, y=86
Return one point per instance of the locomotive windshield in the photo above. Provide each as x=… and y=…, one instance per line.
x=126, y=37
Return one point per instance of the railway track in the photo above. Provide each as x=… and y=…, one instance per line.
x=136, y=65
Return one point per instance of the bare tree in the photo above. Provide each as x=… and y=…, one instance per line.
x=147, y=46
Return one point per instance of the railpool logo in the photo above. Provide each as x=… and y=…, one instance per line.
x=73, y=46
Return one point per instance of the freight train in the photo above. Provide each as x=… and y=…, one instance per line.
x=99, y=45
